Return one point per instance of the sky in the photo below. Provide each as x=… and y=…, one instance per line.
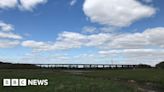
x=82, y=31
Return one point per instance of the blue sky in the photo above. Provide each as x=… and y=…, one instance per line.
x=82, y=31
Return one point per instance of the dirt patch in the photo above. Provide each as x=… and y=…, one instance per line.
x=145, y=86
x=76, y=72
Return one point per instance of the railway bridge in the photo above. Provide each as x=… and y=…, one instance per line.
x=86, y=66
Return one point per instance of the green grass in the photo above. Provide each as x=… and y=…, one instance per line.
x=87, y=80
x=141, y=75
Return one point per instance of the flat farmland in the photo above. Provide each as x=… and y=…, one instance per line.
x=125, y=80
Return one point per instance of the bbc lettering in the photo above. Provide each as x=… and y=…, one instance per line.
x=14, y=82
x=24, y=82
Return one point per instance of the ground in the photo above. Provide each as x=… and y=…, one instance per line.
x=126, y=80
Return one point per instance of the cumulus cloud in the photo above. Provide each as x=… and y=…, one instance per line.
x=139, y=51
x=133, y=48
x=8, y=4
x=8, y=38
x=94, y=30
x=89, y=29
x=118, y=13
x=136, y=56
x=9, y=43
x=67, y=40
x=6, y=31
x=125, y=41
x=10, y=35
x=30, y=4
x=147, y=39
x=83, y=40
x=155, y=36
x=6, y=27
x=36, y=45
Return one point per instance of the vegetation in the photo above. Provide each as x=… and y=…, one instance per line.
x=160, y=65
x=127, y=80
x=16, y=66
x=143, y=66
x=143, y=78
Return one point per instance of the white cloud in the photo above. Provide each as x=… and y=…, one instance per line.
x=9, y=43
x=155, y=36
x=8, y=4
x=125, y=41
x=131, y=48
x=149, y=38
x=89, y=29
x=68, y=40
x=94, y=30
x=6, y=31
x=73, y=2
x=8, y=39
x=36, y=45
x=6, y=27
x=10, y=35
x=131, y=51
x=136, y=56
x=118, y=13
x=30, y=4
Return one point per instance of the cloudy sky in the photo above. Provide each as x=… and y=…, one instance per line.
x=82, y=31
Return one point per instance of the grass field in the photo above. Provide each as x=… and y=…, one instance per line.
x=136, y=80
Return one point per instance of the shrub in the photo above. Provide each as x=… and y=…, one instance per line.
x=160, y=65
x=143, y=66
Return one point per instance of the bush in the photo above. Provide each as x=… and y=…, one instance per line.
x=160, y=65
x=143, y=66
x=4, y=65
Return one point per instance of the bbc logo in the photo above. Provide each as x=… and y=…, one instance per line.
x=14, y=82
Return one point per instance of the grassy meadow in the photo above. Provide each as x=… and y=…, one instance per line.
x=126, y=80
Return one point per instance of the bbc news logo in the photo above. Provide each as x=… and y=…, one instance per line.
x=25, y=82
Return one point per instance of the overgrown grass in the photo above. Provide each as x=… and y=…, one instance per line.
x=83, y=80
x=141, y=75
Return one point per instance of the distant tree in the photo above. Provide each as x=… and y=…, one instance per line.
x=143, y=66
x=4, y=65
x=160, y=65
